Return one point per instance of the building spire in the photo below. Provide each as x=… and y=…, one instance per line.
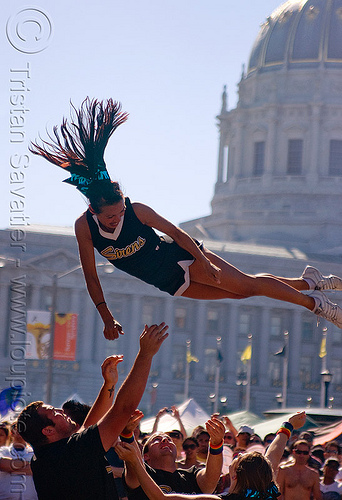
x=224, y=100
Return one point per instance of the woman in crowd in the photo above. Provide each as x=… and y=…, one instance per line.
x=190, y=448
x=124, y=232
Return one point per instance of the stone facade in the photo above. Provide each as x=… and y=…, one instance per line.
x=48, y=251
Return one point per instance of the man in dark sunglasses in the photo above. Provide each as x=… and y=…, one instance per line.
x=296, y=480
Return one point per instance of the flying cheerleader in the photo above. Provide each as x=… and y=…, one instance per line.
x=124, y=232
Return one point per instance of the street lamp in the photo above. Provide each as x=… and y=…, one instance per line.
x=280, y=399
x=224, y=402
x=240, y=383
x=212, y=398
x=326, y=379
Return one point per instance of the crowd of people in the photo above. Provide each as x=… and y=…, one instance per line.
x=98, y=452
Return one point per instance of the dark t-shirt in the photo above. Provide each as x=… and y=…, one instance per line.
x=180, y=481
x=74, y=468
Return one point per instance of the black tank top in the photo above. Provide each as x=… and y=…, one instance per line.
x=135, y=251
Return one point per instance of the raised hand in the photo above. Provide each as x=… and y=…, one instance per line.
x=298, y=419
x=152, y=338
x=133, y=422
x=110, y=368
x=216, y=429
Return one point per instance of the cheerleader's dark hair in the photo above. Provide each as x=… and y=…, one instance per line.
x=254, y=477
x=79, y=147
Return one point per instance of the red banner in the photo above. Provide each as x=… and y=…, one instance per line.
x=65, y=337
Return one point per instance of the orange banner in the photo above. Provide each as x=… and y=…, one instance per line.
x=65, y=337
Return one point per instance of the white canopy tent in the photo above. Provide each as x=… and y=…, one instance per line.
x=190, y=413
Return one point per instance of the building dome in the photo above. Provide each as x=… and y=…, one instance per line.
x=279, y=177
x=299, y=34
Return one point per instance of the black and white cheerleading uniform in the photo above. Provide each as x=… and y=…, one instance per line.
x=139, y=251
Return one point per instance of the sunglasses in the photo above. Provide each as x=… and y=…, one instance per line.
x=189, y=447
x=332, y=466
x=228, y=437
x=176, y=435
x=301, y=452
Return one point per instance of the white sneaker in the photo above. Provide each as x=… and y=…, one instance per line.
x=327, y=309
x=317, y=281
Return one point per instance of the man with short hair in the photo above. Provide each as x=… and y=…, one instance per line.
x=243, y=436
x=71, y=465
x=160, y=461
x=330, y=488
x=332, y=449
x=296, y=480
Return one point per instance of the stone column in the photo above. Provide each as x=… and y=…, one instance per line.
x=134, y=301
x=220, y=166
x=262, y=369
x=164, y=358
x=232, y=333
x=197, y=340
x=239, y=149
x=295, y=339
x=75, y=301
x=86, y=336
x=270, y=146
x=35, y=298
x=314, y=149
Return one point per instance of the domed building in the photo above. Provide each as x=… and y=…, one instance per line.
x=279, y=178
x=277, y=204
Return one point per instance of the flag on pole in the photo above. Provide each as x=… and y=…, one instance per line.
x=8, y=399
x=190, y=357
x=247, y=354
x=323, y=349
x=219, y=356
x=281, y=352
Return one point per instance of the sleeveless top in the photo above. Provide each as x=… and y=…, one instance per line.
x=140, y=252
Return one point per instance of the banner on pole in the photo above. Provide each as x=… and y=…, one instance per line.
x=65, y=337
x=247, y=354
x=38, y=335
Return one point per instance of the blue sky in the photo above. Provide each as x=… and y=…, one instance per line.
x=167, y=62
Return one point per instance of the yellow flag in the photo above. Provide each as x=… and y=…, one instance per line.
x=190, y=357
x=323, y=350
x=247, y=354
